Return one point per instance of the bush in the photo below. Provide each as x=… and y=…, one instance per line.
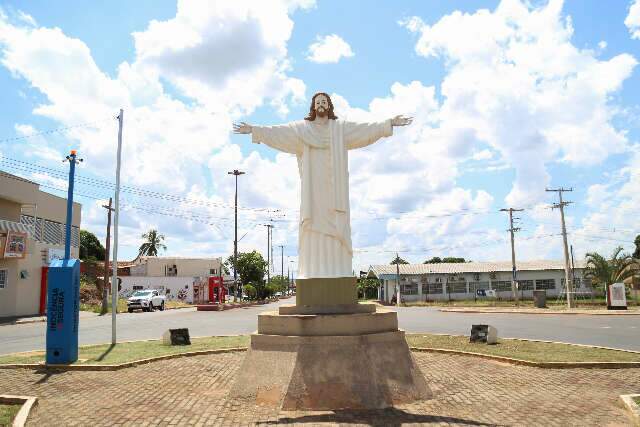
x=250, y=291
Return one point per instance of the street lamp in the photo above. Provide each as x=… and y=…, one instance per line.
x=236, y=172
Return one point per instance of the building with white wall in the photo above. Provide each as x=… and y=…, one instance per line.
x=450, y=281
x=32, y=234
x=175, y=276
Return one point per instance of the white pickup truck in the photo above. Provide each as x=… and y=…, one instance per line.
x=146, y=300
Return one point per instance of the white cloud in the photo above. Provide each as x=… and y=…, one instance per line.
x=516, y=82
x=225, y=55
x=632, y=21
x=169, y=145
x=482, y=155
x=26, y=18
x=329, y=49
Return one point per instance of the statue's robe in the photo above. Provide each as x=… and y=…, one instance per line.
x=324, y=241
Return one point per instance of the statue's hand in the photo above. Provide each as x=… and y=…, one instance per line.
x=243, y=128
x=401, y=121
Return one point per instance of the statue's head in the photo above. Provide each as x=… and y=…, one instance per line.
x=321, y=106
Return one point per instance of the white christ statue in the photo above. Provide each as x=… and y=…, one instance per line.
x=321, y=143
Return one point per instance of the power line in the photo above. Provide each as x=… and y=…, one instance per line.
x=57, y=130
x=127, y=188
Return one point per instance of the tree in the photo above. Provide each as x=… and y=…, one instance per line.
x=250, y=291
x=280, y=283
x=449, y=259
x=251, y=268
x=368, y=288
x=636, y=253
x=90, y=247
x=605, y=272
x=398, y=260
x=152, y=244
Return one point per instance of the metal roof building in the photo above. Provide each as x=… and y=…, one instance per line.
x=422, y=282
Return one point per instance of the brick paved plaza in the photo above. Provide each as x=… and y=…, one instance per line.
x=191, y=391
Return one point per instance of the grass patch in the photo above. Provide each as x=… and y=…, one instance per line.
x=97, y=308
x=8, y=413
x=525, y=350
x=177, y=304
x=637, y=400
x=105, y=354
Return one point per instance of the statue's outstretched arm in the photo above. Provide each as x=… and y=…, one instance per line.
x=401, y=120
x=242, y=128
x=280, y=137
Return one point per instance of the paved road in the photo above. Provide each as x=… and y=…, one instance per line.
x=608, y=331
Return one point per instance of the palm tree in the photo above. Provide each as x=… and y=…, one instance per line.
x=606, y=272
x=152, y=244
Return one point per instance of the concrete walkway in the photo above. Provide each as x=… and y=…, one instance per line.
x=192, y=391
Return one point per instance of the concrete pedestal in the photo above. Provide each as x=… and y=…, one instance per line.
x=358, y=360
x=293, y=373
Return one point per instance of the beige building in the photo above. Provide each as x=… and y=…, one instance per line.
x=175, y=266
x=176, y=277
x=27, y=211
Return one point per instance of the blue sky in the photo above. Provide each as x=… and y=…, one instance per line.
x=509, y=98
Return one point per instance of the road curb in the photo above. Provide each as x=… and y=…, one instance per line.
x=27, y=402
x=521, y=362
x=584, y=313
x=632, y=407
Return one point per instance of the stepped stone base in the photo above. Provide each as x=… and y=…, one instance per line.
x=292, y=373
x=328, y=352
x=272, y=323
x=327, y=309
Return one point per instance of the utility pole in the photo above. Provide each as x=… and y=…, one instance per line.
x=269, y=227
x=567, y=280
x=290, y=277
x=114, y=277
x=237, y=173
x=281, y=261
x=105, y=290
x=397, y=280
x=512, y=230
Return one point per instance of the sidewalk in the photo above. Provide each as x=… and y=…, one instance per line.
x=20, y=320
x=193, y=391
x=631, y=311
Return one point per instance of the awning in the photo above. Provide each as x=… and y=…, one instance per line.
x=6, y=226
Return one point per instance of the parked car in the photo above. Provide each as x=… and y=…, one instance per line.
x=146, y=300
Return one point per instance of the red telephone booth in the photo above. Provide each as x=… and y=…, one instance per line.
x=216, y=290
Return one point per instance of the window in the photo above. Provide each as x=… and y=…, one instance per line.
x=432, y=288
x=545, y=283
x=525, y=285
x=576, y=282
x=213, y=271
x=586, y=282
x=501, y=285
x=411, y=289
x=474, y=286
x=4, y=276
x=137, y=287
x=457, y=287
x=155, y=294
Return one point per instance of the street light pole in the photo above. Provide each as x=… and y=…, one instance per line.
x=237, y=173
